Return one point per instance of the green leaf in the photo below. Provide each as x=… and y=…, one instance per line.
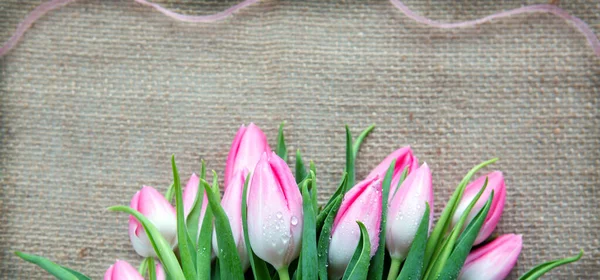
x=349, y=160
x=77, y=274
x=440, y=258
x=151, y=269
x=203, y=169
x=170, y=193
x=300, y=169
x=161, y=246
x=143, y=268
x=313, y=189
x=361, y=138
x=188, y=263
x=376, y=267
x=308, y=264
x=445, y=221
x=336, y=196
x=259, y=267
x=281, y=149
x=413, y=266
x=193, y=218
x=402, y=178
x=204, y=248
x=324, y=239
x=49, y=266
x=230, y=265
x=543, y=268
x=457, y=259
x=359, y=264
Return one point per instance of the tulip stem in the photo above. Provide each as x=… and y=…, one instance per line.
x=394, y=268
x=283, y=273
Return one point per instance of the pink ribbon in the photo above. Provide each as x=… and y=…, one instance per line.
x=543, y=8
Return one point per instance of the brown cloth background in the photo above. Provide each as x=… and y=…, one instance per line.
x=99, y=94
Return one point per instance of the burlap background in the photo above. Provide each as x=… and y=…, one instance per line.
x=99, y=94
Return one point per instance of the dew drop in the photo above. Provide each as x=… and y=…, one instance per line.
x=279, y=215
x=294, y=220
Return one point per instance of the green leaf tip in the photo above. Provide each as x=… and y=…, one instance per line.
x=541, y=269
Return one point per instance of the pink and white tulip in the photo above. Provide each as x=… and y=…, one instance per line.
x=160, y=272
x=232, y=204
x=153, y=205
x=404, y=158
x=189, y=197
x=122, y=270
x=275, y=217
x=406, y=209
x=361, y=203
x=495, y=183
x=495, y=260
x=247, y=147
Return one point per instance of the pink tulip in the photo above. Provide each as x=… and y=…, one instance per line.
x=495, y=260
x=122, y=270
x=274, y=212
x=361, y=203
x=160, y=272
x=157, y=209
x=232, y=204
x=404, y=158
x=247, y=147
x=496, y=183
x=406, y=209
x=189, y=196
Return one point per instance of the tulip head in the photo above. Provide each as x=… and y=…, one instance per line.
x=495, y=183
x=406, y=209
x=361, y=203
x=153, y=205
x=189, y=197
x=493, y=261
x=232, y=204
x=247, y=147
x=122, y=270
x=404, y=159
x=160, y=272
x=275, y=217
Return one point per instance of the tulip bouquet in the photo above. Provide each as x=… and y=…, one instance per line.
x=269, y=225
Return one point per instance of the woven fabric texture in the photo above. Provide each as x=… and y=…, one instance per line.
x=99, y=94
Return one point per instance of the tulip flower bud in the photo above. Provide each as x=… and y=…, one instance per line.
x=157, y=209
x=274, y=212
x=122, y=270
x=361, y=203
x=189, y=197
x=404, y=158
x=406, y=209
x=232, y=204
x=493, y=261
x=495, y=183
x=160, y=272
x=247, y=147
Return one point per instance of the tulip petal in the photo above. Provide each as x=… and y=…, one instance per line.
x=122, y=270
x=275, y=205
x=493, y=261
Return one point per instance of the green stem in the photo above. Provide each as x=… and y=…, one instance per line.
x=394, y=269
x=283, y=273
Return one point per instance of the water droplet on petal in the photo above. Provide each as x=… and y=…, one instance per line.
x=279, y=215
x=294, y=220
